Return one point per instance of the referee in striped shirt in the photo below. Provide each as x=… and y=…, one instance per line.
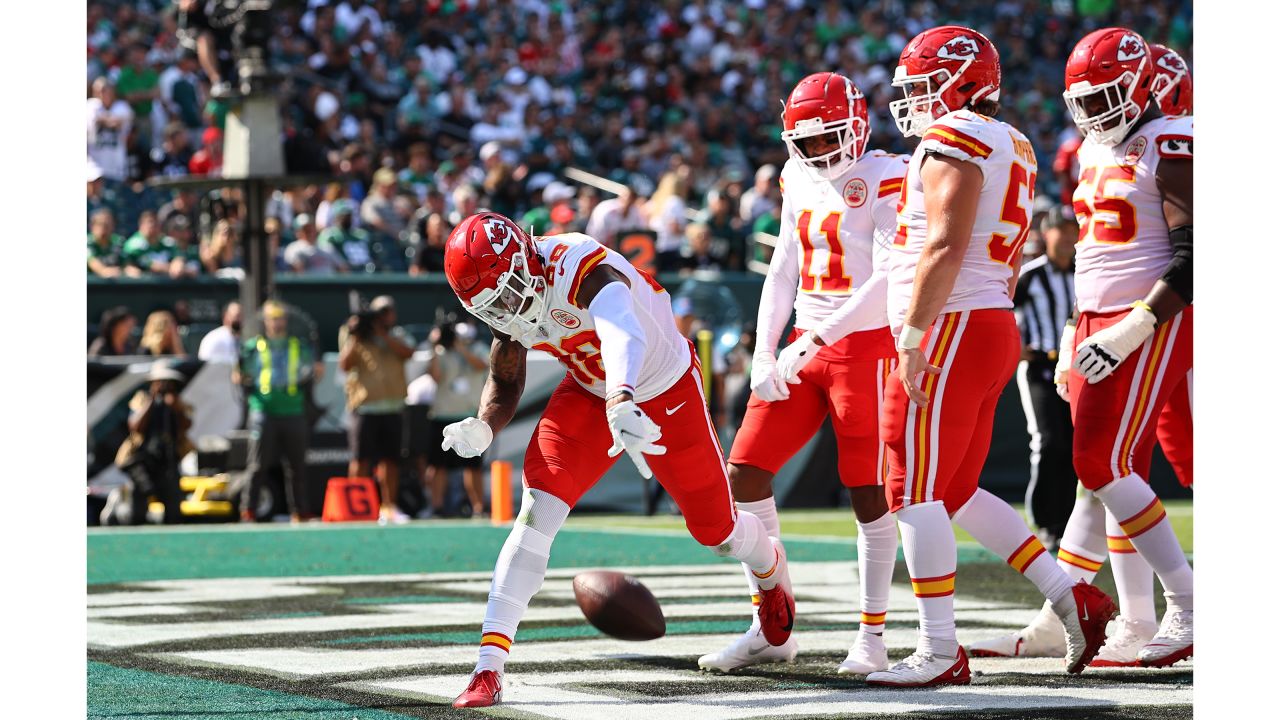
x=1044, y=300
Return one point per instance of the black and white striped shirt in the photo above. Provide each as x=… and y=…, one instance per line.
x=1043, y=301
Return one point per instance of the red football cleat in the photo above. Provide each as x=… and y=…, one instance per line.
x=1085, y=614
x=777, y=605
x=484, y=690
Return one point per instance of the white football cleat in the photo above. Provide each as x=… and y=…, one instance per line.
x=1084, y=612
x=1044, y=637
x=750, y=649
x=924, y=670
x=867, y=655
x=1121, y=649
x=1172, y=643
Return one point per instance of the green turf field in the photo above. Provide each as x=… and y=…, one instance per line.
x=362, y=621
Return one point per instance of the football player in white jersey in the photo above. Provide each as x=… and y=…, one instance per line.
x=963, y=217
x=611, y=326
x=838, y=213
x=1137, y=197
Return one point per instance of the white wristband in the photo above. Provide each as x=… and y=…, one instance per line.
x=910, y=338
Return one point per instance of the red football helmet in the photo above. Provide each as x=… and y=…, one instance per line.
x=942, y=70
x=1172, y=84
x=494, y=268
x=825, y=103
x=1109, y=80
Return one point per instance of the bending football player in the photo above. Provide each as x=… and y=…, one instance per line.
x=838, y=213
x=633, y=385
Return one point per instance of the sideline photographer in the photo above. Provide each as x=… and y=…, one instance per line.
x=459, y=366
x=158, y=425
x=373, y=355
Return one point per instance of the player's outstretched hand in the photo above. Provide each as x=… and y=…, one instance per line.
x=1102, y=352
x=795, y=356
x=912, y=365
x=468, y=438
x=765, y=381
x=1063, y=368
x=634, y=432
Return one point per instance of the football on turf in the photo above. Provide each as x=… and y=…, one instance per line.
x=619, y=605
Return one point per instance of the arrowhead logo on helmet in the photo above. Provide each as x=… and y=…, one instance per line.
x=959, y=48
x=1130, y=48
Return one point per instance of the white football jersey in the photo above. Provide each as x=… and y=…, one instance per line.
x=1124, y=243
x=1008, y=164
x=833, y=235
x=570, y=333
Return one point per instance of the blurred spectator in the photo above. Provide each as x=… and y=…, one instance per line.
x=222, y=344
x=373, y=355
x=555, y=197
x=465, y=204
x=613, y=216
x=208, y=159
x=305, y=257
x=666, y=217
x=762, y=196
x=186, y=252
x=106, y=248
x=180, y=91
x=160, y=336
x=378, y=212
x=434, y=231
x=222, y=251
x=417, y=178
x=726, y=227
x=347, y=241
x=110, y=121
x=139, y=85
x=115, y=333
x=459, y=366
x=172, y=157
x=702, y=252
x=149, y=250
x=158, y=425
x=276, y=368
x=184, y=203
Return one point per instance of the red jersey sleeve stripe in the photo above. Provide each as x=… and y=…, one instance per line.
x=890, y=187
x=584, y=269
x=954, y=138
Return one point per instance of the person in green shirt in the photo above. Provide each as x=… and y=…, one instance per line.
x=106, y=248
x=139, y=85
x=148, y=249
x=276, y=368
x=346, y=240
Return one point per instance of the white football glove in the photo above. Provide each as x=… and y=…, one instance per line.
x=765, y=382
x=1063, y=368
x=469, y=438
x=634, y=432
x=1102, y=352
x=795, y=356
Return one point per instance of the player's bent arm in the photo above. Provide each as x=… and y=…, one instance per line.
x=1172, y=292
x=951, y=191
x=868, y=304
x=622, y=339
x=505, y=385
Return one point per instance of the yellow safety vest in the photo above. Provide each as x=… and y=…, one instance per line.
x=264, y=377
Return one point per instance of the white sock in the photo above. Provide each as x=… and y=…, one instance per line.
x=518, y=574
x=1000, y=529
x=877, y=550
x=750, y=544
x=1134, y=579
x=767, y=511
x=1084, y=543
x=1143, y=520
x=929, y=544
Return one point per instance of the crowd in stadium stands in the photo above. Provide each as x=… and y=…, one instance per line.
x=426, y=111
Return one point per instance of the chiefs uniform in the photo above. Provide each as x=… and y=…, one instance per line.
x=567, y=454
x=834, y=233
x=1123, y=250
x=937, y=451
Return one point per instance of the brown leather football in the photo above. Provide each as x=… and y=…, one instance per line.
x=619, y=605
